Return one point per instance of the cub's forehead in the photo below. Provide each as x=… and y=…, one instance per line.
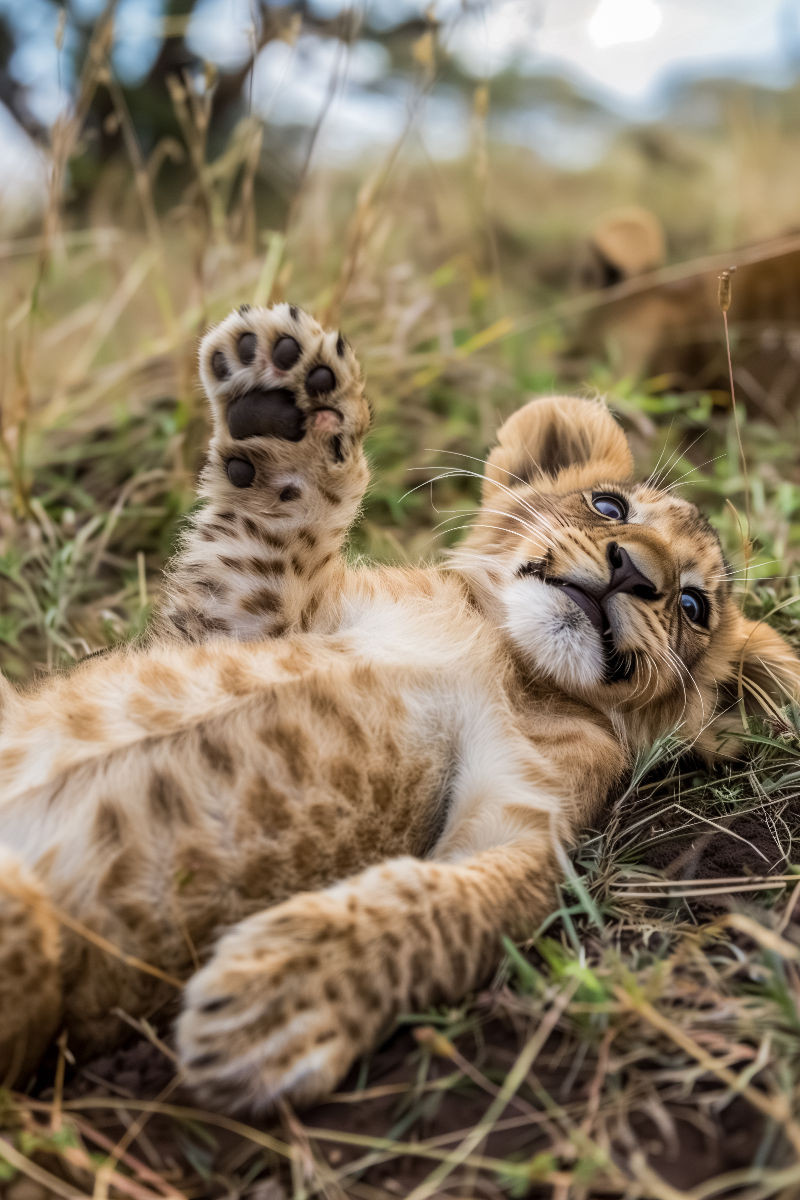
x=689, y=533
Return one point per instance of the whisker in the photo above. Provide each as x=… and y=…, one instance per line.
x=692, y=471
x=479, y=525
x=485, y=463
x=459, y=472
x=679, y=453
x=648, y=482
x=530, y=529
x=674, y=457
x=651, y=668
x=455, y=472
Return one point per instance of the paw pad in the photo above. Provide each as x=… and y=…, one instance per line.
x=247, y=347
x=320, y=380
x=267, y=382
x=241, y=472
x=285, y=353
x=219, y=365
x=266, y=413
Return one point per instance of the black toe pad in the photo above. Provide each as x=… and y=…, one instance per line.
x=320, y=380
x=247, y=346
x=270, y=413
x=286, y=352
x=240, y=472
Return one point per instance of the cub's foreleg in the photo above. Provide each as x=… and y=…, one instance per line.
x=293, y=995
x=283, y=481
x=30, y=975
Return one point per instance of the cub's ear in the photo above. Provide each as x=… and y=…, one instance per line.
x=761, y=674
x=559, y=443
x=625, y=243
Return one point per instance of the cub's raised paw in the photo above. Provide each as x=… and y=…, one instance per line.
x=289, y=1000
x=273, y=375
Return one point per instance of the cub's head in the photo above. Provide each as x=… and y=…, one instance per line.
x=614, y=591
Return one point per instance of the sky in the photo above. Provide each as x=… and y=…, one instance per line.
x=626, y=54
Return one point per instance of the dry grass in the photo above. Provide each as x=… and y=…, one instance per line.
x=645, y=1043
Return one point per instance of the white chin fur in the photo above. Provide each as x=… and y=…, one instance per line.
x=553, y=634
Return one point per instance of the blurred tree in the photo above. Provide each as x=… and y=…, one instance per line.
x=147, y=104
x=13, y=93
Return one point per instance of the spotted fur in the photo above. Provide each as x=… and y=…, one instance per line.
x=322, y=794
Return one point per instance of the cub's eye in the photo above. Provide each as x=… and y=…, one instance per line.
x=611, y=506
x=694, y=605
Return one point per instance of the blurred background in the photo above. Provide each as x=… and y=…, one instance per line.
x=491, y=198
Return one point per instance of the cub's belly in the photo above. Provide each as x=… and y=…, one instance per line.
x=158, y=844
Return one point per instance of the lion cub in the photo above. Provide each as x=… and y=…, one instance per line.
x=671, y=330
x=323, y=793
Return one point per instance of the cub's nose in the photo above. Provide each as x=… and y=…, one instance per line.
x=625, y=576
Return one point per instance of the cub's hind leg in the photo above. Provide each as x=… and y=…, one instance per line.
x=283, y=482
x=30, y=973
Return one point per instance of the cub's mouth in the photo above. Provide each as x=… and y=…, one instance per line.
x=618, y=665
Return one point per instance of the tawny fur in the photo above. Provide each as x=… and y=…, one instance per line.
x=334, y=789
x=668, y=330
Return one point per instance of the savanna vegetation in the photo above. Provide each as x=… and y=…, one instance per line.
x=644, y=1042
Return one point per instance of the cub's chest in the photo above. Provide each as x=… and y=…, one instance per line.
x=427, y=632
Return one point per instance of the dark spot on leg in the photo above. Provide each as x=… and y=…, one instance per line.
x=340, y=345
x=107, y=824
x=271, y=567
x=290, y=493
x=219, y=365
x=244, y=308
x=336, y=448
x=216, y=1005
x=353, y=1029
x=372, y=998
x=392, y=972
x=262, y=601
x=293, y=312
x=263, y=535
x=179, y=620
x=213, y=624
x=203, y=1060
x=211, y=586
x=247, y=347
x=216, y=754
x=320, y=564
x=240, y=472
x=266, y=414
x=285, y=353
x=320, y=380
x=307, y=615
x=167, y=801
